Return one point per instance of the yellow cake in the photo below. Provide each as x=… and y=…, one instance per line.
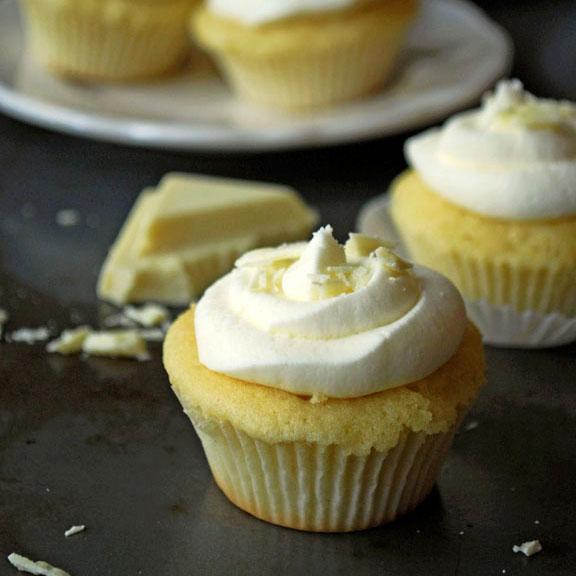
x=524, y=264
x=490, y=201
x=332, y=449
x=307, y=59
x=108, y=40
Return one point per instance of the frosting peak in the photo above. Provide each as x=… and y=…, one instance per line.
x=318, y=273
x=510, y=107
x=321, y=318
x=515, y=157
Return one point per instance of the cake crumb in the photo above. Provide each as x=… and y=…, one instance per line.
x=528, y=548
x=74, y=530
x=68, y=217
x=23, y=564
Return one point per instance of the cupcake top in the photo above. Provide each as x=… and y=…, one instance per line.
x=322, y=319
x=513, y=158
x=254, y=12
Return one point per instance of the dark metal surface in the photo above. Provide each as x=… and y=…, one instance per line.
x=104, y=442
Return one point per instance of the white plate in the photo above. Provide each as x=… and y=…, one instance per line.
x=454, y=54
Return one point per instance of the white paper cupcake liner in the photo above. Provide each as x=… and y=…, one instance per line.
x=506, y=327
x=313, y=80
x=94, y=42
x=308, y=486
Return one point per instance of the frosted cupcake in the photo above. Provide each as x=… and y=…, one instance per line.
x=110, y=40
x=326, y=382
x=490, y=201
x=307, y=53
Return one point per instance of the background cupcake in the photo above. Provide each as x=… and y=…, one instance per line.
x=490, y=202
x=306, y=53
x=326, y=383
x=111, y=40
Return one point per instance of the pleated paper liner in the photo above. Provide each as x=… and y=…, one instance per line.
x=312, y=487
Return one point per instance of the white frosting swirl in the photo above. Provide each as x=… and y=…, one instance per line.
x=325, y=319
x=513, y=158
x=254, y=12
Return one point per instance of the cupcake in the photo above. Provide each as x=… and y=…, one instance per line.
x=308, y=53
x=108, y=40
x=326, y=382
x=490, y=202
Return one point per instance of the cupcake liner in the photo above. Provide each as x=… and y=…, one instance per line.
x=106, y=41
x=312, y=487
x=505, y=326
x=304, y=80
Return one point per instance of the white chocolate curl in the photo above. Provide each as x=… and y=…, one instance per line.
x=320, y=318
x=514, y=158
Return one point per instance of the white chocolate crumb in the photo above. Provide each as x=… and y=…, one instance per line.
x=116, y=344
x=149, y=316
x=70, y=341
x=528, y=548
x=68, y=217
x=74, y=530
x=23, y=564
x=30, y=335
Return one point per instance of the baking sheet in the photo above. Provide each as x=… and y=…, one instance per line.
x=104, y=442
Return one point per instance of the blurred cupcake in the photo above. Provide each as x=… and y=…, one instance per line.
x=108, y=40
x=325, y=382
x=490, y=202
x=307, y=53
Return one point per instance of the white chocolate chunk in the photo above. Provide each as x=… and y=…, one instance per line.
x=116, y=344
x=70, y=341
x=23, y=564
x=528, y=548
x=74, y=530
